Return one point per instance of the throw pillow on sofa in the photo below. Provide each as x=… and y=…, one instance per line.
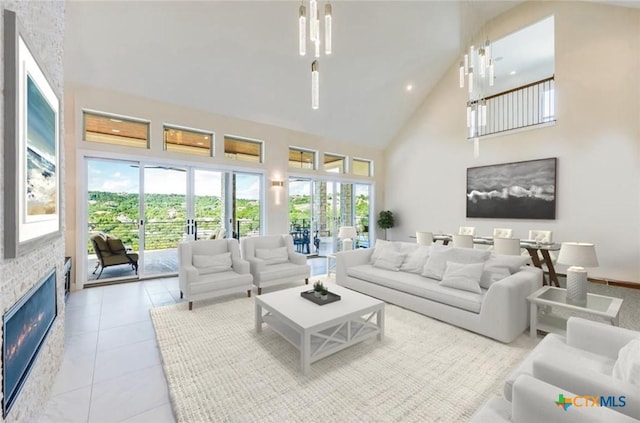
x=499, y=267
x=212, y=264
x=273, y=255
x=437, y=262
x=380, y=246
x=627, y=366
x=414, y=261
x=390, y=260
x=463, y=276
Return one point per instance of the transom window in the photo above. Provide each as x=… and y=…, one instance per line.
x=302, y=159
x=112, y=129
x=242, y=149
x=362, y=167
x=334, y=163
x=190, y=141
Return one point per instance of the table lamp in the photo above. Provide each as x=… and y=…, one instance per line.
x=578, y=255
x=347, y=233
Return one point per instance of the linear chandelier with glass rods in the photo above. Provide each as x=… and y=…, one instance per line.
x=476, y=68
x=314, y=38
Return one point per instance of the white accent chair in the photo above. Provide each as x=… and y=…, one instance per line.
x=273, y=261
x=533, y=402
x=211, y=268
x=463, y=241
x=467, y=230
x=582, y=363
x=502, y=232
x=506, y=246
x=424, y=238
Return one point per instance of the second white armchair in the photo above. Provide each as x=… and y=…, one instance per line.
x=273, y=261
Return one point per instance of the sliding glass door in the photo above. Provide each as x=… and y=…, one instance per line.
x=165, y=218
x=150, y=208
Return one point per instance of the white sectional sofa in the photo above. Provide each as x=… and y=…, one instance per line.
x=500, y=312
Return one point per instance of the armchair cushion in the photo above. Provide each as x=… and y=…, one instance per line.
x=212, y=264
x=627, y=366
x=115, y=245
x=273, y=255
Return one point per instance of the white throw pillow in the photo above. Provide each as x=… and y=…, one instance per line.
x=212, y=264
x=463, y=276
x=513, y=263
x=492, y=274
x=273, y=255
x=437, y=262
x=380, y=246
x=390, y=260
x=414, y=261
x=627, y=366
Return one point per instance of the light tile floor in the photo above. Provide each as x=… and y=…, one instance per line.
x=111, y=370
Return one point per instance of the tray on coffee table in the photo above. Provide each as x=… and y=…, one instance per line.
x=331, y=297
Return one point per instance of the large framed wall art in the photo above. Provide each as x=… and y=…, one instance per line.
x=32, y=147
x=521, y=190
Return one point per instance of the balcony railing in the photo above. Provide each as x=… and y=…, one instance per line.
x=525, y=106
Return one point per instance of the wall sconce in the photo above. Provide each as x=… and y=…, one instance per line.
x=277, y=185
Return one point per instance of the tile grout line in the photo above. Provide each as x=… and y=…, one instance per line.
x=95, y=359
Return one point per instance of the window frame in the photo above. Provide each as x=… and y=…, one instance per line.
x=261, y=143
x=116, y=118
x=314, y=161
x=211, y=134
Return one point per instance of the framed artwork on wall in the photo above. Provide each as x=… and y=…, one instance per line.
x=520, y=190
x=32, y=147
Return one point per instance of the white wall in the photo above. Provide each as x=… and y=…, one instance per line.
x=43, y=26
x=596, y=140
x=277, y=141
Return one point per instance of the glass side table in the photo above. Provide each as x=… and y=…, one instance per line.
x=551, y=297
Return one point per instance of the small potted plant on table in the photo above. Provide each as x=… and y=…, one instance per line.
x=324, y=294
x=318, y=287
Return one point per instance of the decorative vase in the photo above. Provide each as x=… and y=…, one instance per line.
x=324, y=296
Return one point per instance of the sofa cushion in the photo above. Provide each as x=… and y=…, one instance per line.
x=498, y=267
x=380, y=246
x=627, y=366
x=217, y=281
x=419, y=286
x=207, y=264
x=463, y=276
x=281, y=271
x=273, y=255
x=390, y=260
x=437, y=261
x=554, y=346
x=415, y=260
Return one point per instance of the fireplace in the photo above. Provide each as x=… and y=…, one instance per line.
x=26, y=326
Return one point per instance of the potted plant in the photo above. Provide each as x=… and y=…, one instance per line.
x=324, y=294
x=385, y=221
x=318, y=287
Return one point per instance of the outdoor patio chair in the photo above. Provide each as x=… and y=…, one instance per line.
x=110, y=251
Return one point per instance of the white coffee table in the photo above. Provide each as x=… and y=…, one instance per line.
x=597, y=305
x=320, y=330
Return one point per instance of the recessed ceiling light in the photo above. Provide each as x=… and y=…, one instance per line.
x=512, y=73
x=115, y=120
x=115, y=130
x=409, y=87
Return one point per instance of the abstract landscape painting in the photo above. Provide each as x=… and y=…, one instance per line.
x=521, y=190
x=41, y=175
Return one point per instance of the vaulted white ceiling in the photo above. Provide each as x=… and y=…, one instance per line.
x=240, y=59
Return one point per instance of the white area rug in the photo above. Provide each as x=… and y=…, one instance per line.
x=219, y=370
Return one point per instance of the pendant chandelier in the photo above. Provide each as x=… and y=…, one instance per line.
x=477, y=71
x=315, y=38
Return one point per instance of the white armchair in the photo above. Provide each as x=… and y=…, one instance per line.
x=273, y=260
x=534, y=402
x=582, y=362
x=212, y=268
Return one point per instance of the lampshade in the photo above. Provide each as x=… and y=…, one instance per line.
x=347, y=232
x=578, y=254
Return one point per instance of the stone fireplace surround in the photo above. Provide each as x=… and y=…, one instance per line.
x=43, y=24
